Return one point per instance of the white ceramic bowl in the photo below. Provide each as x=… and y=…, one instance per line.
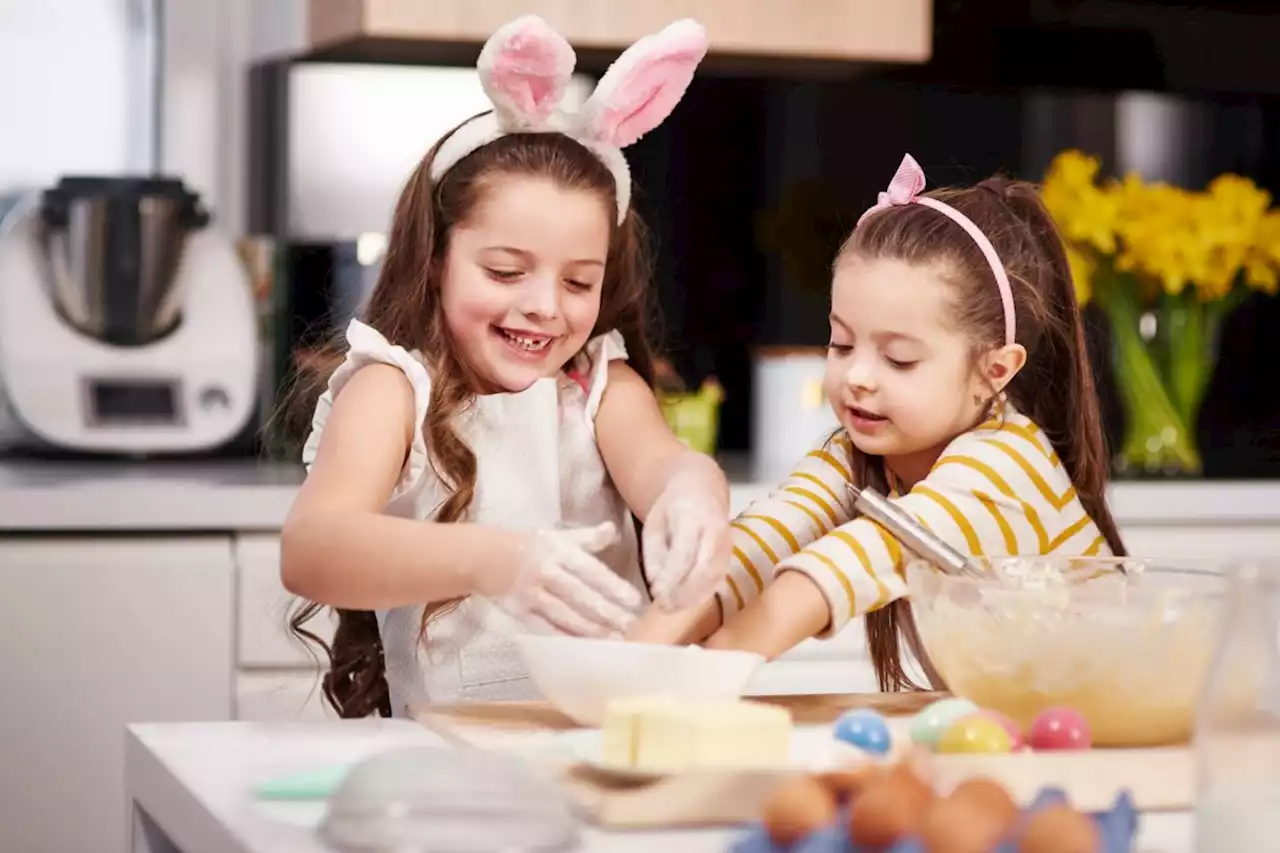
x=579, y=676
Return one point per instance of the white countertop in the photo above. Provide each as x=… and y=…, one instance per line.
x=193, y=780
x=245, y=495
x=241, y=495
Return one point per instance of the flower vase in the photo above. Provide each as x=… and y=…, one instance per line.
x=1166, y=265
x=1161, y=367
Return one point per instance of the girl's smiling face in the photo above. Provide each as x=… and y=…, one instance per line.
x=900, y=376
x=522, y=280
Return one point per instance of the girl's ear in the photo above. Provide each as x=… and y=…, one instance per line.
x=644, y=84
x=524, y=69
x=1000, y=365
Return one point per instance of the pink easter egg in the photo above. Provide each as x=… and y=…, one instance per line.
x=1015, y=733
x=1059, y=728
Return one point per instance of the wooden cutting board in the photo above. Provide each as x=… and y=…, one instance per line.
x=542, y=716
x=1157, y=779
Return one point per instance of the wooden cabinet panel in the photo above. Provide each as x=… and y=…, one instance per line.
x=860, y=30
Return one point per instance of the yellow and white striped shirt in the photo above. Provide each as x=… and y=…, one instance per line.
x=997, y=490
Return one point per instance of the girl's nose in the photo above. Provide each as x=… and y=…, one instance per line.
x=860, y=376
x=540, y=297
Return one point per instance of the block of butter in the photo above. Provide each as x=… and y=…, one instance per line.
x=667, y=734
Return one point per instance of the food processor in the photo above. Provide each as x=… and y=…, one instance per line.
x=127, y=321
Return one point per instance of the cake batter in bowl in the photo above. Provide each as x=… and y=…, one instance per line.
x=1126, y=642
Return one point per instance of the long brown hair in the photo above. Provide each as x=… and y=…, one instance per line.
x=1055, y=387
x=405, y=307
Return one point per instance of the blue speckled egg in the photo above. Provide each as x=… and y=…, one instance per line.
x=865, y=729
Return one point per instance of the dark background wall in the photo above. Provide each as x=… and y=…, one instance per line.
x=1011, y=83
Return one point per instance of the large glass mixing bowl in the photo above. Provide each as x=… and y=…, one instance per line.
x=1126, y=642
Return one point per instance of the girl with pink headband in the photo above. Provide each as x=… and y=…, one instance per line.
x=958, y=372
x=477, y=460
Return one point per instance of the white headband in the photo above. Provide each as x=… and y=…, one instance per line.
x=525, y=68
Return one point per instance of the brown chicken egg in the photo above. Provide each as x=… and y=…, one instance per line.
x=847, y=784
x=890, y=808
x=796, y=808
x=987, y=796
x=1060, y=829
x=960, y=826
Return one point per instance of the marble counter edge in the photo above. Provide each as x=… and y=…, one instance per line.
x=195, y=777
x=244, y=497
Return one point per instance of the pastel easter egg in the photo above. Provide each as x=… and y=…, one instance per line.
x=975, y=734
x=1059, y=728
x=1015, y=732
x=934, y=719
x=865, y=729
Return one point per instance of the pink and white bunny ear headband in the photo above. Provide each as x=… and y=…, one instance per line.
x=525, y=68
x=905, y=188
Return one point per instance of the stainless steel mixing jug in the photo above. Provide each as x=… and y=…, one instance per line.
x=111, y=249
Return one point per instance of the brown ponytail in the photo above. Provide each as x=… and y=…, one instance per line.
x=1056, y=388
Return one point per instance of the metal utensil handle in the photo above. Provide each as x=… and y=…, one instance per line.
x=911, y=532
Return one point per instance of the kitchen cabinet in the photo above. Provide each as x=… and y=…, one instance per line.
x=98, y=633
x=841, y=30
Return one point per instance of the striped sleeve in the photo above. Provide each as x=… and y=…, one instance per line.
x=810, y=503
x=989, y=494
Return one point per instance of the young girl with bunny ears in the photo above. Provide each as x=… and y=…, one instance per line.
x=958, y=372
x=476, y=461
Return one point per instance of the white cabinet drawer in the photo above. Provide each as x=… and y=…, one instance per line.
x=101, y=632
x=263, y=608
x=263, y=697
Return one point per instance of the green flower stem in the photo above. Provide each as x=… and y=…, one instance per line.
x=1188, y=368
x=1157, y=437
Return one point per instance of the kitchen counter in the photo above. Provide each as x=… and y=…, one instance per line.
x=51, y=496
x=244, y=495
x=166, y=556
x=189, y=784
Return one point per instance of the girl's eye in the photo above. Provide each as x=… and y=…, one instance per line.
x=579, y=286
x=901, y=365
x=503, y=275
x=840, y=349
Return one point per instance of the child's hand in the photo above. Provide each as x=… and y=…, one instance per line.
x=687, y=543
x=557, y=585
x=683, y=627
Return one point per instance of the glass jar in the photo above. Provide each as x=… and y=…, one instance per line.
x=1237, y=736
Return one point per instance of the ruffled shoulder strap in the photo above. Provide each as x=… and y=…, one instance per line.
x=365, y=346
x=592, y=367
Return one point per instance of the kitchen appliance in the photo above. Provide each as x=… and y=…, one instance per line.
x=127, y=324
x=127, y=321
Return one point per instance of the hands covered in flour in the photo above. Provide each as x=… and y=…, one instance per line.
x=557, y=585
x=687, y=541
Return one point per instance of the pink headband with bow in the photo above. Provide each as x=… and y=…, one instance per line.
x=905, y=188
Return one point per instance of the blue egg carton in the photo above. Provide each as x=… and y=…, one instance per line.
x=1117, y=828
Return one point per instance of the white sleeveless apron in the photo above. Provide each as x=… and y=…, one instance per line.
x=538, y=466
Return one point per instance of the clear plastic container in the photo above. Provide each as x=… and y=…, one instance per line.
x=448, y=800
x=1237, y=737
